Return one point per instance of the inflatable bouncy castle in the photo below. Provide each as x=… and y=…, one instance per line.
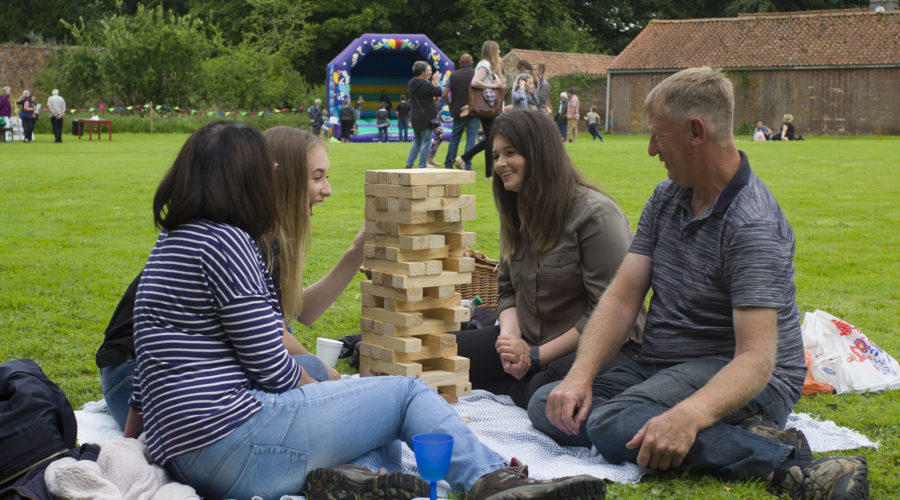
x=374, y=63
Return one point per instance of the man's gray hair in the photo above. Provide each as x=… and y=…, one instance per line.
x=55, y=92
x=318, y=101
x=7, y=89
x=704, y=93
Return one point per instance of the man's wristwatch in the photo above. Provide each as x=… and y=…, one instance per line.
x=535, y=358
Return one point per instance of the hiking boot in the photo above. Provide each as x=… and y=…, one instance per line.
x=355, y=481
x=792, y=437
x=512, y=482
x=828, y=478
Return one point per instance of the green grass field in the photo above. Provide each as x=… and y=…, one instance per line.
x=76, y=226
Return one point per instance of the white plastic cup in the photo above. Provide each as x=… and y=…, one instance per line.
x=328, y=350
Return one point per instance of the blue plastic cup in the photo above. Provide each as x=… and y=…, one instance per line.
x=433, y=452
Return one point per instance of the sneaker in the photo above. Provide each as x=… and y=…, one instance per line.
x=512, y=482
x=793, y=437
x=433, y=162
x=832, y=478
x=356, y=481
x=460, y=163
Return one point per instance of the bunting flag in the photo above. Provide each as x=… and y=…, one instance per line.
x=164, y=110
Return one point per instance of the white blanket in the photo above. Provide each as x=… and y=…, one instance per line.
x=505, y=428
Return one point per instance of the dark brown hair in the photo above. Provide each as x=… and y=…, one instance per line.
x=549, y=183
x=223, y=174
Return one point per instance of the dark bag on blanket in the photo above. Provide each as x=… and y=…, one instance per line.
x=486, y=103
x=36, y=420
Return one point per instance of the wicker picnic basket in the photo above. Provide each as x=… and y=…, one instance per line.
x=484, y=280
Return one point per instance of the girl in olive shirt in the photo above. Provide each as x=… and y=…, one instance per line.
x=562, y=241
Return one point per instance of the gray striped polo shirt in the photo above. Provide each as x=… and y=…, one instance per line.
x=737, y=253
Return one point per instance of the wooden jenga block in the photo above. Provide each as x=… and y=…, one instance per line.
x=382, y=353
x=459, y=264
x=445, y=278
x=453, y=392
x=452, y=190
x=396, y=254
x=456, y=314
x=398, y=229
x=397, y=294
x=456, y=251
x=404, y=369
x=455, y=364
x=467, y=213
x=413, y=242
x=443, y=377
x=438, y=340
x=424, y=303
x=391, y=191
x=429, y=325
x=411, y=268
x=401, y=204
x=435, y=191
x=372, y=300
x=461, y=239
x=440, y=292
x=395, y=318
x=373, y=214
x=398, y=344
x=449, y=214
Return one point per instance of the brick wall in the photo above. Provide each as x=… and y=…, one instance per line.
x=19, y=68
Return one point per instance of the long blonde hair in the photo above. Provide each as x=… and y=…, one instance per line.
x=490, y=52
x=289, y=148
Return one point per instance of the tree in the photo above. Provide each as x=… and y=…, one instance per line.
x=149, y=56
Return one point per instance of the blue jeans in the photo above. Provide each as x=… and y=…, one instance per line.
x=592, y=127
x=563, y=129
x=469, y=125
x=402, y=128
x=382, y=134
x=115, y=381
x=420, y=145
x=627, y=397
x=327, y=424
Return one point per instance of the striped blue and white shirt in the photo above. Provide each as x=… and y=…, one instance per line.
x=207, y=326
x=737, y=253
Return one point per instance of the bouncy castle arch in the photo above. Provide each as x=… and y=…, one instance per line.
x=375, y=62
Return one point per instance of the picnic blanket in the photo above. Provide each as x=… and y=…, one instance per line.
x=505, y=428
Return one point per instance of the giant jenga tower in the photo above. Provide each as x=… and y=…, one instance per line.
x=414, y=248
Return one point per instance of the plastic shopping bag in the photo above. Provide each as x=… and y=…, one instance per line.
x=845, y=358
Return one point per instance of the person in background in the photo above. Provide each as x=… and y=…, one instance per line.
x=382, y=121
x=358, y=107
x=722, y=362
x=57, y=106
x=26, y=114
x=592, y=118
x=787, y=130
x=5, y=107
x=761, y=132
x=523, y=95
x=403, y=110
x=424, y=86
x=572, y=116
x=348, y=120
x=257, y=423
x=562, y=241
x=542, y=85
x=316, y=117
x=561, y=120
x=386, y=100
x=456, y=95
x=486, y=78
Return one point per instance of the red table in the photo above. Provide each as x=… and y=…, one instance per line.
x=91, y=123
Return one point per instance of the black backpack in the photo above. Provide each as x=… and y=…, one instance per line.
x=36, y=420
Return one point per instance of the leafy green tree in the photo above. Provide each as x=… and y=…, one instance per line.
x=152, y=55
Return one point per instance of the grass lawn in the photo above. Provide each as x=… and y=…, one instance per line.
x=76, y=226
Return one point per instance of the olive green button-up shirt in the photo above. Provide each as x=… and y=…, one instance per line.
x=556, y=290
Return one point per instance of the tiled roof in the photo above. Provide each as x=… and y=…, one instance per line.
x=797, y=39
x=559, y=63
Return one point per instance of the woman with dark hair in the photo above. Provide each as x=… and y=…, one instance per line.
x=488, y=75
x=27, y=116
x=561, y=242
x=223, y=405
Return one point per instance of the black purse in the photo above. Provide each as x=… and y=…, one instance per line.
x=433, y=123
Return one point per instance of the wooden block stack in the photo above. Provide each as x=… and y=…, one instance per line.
x=414, y=248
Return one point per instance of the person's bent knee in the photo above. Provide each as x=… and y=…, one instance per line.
x=610, y=426
x=537, y=409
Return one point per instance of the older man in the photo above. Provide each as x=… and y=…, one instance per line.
x=722, y=361
x=456, y=94
x=57, y=106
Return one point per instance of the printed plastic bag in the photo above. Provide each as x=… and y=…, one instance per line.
x=845, y=358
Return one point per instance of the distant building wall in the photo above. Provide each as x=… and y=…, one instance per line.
x=20, y=65
x=831, y=101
